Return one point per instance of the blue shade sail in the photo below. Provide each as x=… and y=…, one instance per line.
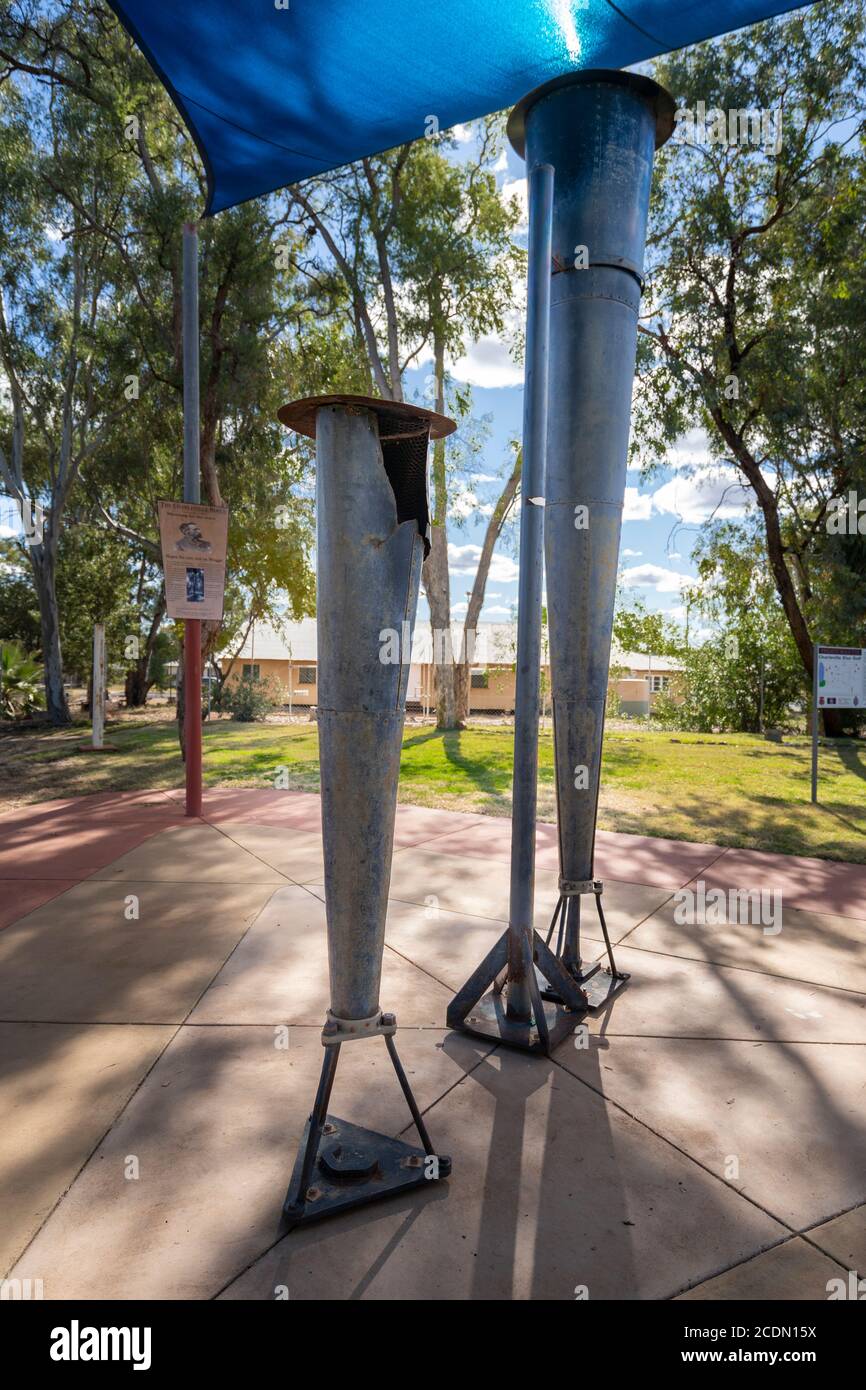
x=274, y=95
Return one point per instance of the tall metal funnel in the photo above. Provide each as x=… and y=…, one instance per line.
x=597, y=130
x=372, y=536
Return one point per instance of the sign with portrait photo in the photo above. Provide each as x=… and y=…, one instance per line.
x=194, y=541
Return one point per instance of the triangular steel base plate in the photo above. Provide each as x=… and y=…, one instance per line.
x=355, y=1166
x=489, y=1019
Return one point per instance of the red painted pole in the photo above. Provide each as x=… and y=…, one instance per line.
x=192, y=713
x=191, y=493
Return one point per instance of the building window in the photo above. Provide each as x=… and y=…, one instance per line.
x=660, y=683
x=251, y=671
x=479, y=680
x=306, y=675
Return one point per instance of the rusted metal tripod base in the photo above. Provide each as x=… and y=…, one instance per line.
x=489, y=1019
x=355, y=1166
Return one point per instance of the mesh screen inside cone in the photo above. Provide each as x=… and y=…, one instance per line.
x=404, y=453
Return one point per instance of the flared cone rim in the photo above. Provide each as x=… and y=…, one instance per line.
x=300, y=416
x=660, y=100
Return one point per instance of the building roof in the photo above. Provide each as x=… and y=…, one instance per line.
x=495, y=645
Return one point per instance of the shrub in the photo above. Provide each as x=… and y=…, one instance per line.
x=249, y=699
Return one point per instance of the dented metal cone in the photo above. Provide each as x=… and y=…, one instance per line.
x=593, y=135
x=372, y=537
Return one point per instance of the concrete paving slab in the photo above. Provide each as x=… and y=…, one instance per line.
x=447, y=945
x=262, y=806
x=296, y=854
x=793, y=1272
x=551, y=1191
x=215, y=1128
x=417, y=825
x=79, y=959
x=672, y=997
x=821, y=885
x=190, y=853
x=811, y=946
x=844, y=1240
x=61, y=1085
x=279, y=973
x=480, y=887
x=783, y=1122
x=626, y=858
x=20, y=896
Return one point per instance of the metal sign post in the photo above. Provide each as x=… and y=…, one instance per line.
x=838, y=682
x=98, y=686
x=815, y=724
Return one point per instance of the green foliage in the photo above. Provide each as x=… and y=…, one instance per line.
x=21, y=690
x=637, y=629
x=94, y=585
x=250, y=699
x=754, y=321
x=19, y=610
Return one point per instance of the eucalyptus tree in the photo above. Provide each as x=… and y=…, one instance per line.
x=80, y=56
x=754, y=323
x=60, y=347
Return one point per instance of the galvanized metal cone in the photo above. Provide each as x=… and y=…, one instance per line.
x=597, y=130
x=371, y=536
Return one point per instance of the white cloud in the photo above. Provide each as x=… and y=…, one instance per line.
x=691, y=451
x=488, y=363
x=648, y=576
x=463, y=560
x=495, y=610
x=638, y=505
x=708, y=492
x=465, y=504
x=631, y=554
x=462, y=133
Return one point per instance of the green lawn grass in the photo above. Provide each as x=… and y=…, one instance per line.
x=731, y=789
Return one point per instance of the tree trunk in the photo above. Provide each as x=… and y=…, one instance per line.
x=138, y=677
x=776, y=555
x=437, y=584
x=476, y=598
x=42, y=559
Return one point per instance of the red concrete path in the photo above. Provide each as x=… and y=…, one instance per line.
x=46, y=848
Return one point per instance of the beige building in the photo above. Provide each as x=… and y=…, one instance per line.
x=289, y=659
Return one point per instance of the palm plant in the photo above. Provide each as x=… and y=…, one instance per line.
x=21, y=688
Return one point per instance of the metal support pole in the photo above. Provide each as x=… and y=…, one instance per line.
x=191, y=493
x=98, y=684
x=526, y=697
x=814, y=724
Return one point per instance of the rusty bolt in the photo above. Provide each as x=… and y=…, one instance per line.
x=330, y=1029
x=389, y=1020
